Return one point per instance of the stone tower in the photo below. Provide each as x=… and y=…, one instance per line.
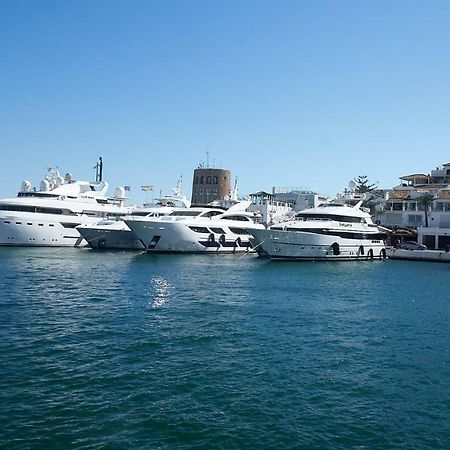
x=209, y=185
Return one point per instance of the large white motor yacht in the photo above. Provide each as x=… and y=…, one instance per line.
x=196, y=230
x=114, y=234
x=49, y=216
x=329, y=231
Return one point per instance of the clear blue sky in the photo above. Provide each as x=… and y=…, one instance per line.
x=282, y=93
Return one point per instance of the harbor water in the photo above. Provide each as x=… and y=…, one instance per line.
x=118, y=350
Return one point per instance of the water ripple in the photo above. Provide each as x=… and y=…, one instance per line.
x=121, y=350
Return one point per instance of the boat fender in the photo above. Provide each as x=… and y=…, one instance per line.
x=238, y=242
x=211, y=238
x=361, y=251
x=222, y=239
x=335, y=248
x=370, y=254
x=102, y=243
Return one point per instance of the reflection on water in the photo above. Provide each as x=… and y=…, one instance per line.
x=162, y=289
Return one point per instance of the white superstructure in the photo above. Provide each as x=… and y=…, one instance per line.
x=196, y=230
x=329, y=231
x=49, y=216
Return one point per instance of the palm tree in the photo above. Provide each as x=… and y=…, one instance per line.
x=424, y=202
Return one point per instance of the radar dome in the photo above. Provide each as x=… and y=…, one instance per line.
x=351, y=184
x=68, y=178
x=119, y=192
x=26, y=186
x=59, y=181
x=45, y=185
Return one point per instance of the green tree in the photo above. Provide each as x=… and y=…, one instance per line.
x=425, y=201
x=363, y=185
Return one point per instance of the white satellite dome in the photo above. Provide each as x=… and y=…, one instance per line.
x=119, y=193
x=26, y=186
x=68, y=178
x=45, y=185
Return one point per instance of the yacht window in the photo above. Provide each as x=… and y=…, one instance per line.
x=29, y=223
x=336, y=217
x=343, y=233
x=32, y=209
x=185, y=213
x=18, y=223
x=40, y=224
x=217, y=230
x=6, y=221
x=240, y=218
x=199, y=229
x=37, y=194
x=48, y=210
x=208, y=180
x=238, y=230
x=277, y=228
x=22, y=208
x=212, y=213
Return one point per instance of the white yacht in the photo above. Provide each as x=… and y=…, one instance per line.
x=114, y=234
x=196, y=230
x=49, y=216
x=329, y=231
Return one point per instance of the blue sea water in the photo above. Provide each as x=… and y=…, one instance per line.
x=116, y=350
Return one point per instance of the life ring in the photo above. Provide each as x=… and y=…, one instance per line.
x=222, y=239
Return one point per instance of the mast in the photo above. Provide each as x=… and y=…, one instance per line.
x=99, y=170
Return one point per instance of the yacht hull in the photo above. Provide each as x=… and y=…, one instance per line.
x=288, y=245
x=104, y=238
x=40, y=230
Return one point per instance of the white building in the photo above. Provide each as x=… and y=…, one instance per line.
x=402, y=206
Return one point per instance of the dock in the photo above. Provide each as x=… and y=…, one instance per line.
x=418, y=255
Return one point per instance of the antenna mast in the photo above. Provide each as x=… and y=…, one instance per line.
x=99, y=170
